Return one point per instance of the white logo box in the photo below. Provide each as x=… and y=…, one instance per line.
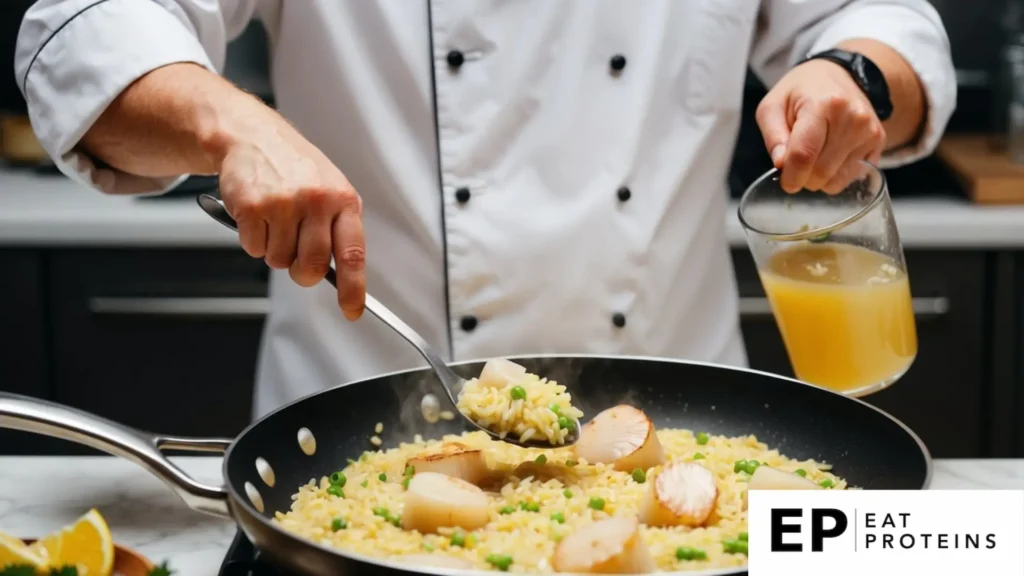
x=905, y=533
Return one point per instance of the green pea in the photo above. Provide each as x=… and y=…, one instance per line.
x=472, y=539
x=409, y=470
x=542, y=459
x=395, y=521
x=458, y=539
x=596, y=503
x=639, y=476
x=826, y=483
x=742, y=536
x=338, y=479
x=335, y=490
x=506, y=510
x=500, y=561
x=731, y=546
x=564, y=423
x=532, y=507
x=364, y=483
x=558, y=517
x=801, y=472
x=555, y=408
x=571, y=463
x=698, y=456
x=338, y=524
x=748, y=466
x=381, y=511
x=518, y=393
x=687, y=553
x=702, y=438
x=405, y=482
x=382, y=477
x=428, y=546
x=567, y=493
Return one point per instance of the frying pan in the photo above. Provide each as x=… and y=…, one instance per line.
x=865, y=445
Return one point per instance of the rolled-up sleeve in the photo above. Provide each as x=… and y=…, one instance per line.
x=74, y=57
x=795, y=29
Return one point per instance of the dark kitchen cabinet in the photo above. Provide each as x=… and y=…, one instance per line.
x=23, y=340
x=163, y=340
x=945, y=394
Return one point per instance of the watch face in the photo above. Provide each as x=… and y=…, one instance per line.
x=867, y=71
x=874, y=84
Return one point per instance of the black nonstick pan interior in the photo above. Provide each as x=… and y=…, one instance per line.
x=866, y=446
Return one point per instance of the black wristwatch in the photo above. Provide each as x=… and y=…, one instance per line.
x=866, y=74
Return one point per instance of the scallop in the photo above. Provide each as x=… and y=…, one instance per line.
x=611, y=546
x=499, y=372
x=683, y=494
x=438, y=501
x=622, y=436
x=454, y=459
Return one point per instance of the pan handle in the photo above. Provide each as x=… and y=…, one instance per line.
x=51, y=419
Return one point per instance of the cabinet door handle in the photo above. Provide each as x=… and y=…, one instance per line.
x=232, y=307
x=753, y=307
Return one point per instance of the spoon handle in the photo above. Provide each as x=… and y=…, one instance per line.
x=216, y=209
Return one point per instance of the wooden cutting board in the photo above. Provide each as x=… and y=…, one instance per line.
x=983, y=167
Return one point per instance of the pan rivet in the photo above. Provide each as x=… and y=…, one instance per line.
x=430, y=406
x=307, y=442
x=266, y=472
x=254, y=496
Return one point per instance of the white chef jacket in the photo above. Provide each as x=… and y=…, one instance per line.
x=536, y=125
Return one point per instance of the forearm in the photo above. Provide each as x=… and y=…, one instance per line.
x=178, y=119
x=905, y=91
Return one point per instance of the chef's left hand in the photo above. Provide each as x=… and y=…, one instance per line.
x=817, y=125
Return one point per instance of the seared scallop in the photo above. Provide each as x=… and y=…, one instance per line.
x=765, y=478
x=453, y=459
x=611, y=546
x=435, y=560
x=622, y=436
x=436, y=501
x=499, y=372
x=683, y=494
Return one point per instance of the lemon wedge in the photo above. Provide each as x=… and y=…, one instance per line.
x=85, y=544
x=14, y=552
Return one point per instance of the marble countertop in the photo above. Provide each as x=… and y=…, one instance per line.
x=41, y=210
x=40, y=494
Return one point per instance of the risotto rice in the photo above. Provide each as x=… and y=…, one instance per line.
x=509, y=401
x=537, y=498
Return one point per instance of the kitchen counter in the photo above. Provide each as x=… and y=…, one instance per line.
x=40, y=494
x=41, y=210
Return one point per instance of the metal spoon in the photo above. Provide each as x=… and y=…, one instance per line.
x=451, y=381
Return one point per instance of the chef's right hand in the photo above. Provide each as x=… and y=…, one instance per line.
x=296, y=210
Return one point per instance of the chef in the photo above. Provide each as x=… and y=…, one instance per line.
x=508, y=176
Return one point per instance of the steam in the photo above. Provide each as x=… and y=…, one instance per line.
x=411, y=421
x=595, y=384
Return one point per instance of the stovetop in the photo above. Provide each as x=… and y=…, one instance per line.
x=243, y=559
